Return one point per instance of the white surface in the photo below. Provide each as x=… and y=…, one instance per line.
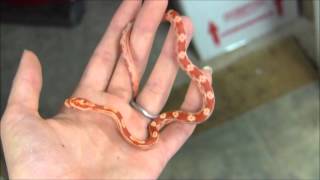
x=301, y=28
x=203, y=12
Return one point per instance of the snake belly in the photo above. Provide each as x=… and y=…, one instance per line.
x=165, y=118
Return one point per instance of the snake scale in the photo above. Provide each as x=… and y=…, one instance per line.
x=155, y=125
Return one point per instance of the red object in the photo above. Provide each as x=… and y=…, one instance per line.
x=158, y=122
x=247, y=24
x=279, y=6
x=213, y=30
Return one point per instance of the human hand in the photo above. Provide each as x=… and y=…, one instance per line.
x=76, y=144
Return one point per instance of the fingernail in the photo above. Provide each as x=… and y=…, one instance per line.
x=24, y=53
x=208, y=68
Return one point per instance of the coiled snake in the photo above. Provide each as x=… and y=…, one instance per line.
x=154, y=127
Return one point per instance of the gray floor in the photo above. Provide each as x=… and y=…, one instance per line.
x=275, y=140
x=63, y=53
x=278, y=140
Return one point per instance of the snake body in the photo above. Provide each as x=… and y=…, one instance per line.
x=154, y=127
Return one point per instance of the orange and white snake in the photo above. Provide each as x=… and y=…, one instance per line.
x=154, y=127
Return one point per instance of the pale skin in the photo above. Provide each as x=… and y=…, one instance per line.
x=76, y=144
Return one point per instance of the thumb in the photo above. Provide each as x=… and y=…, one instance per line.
x=26, y=87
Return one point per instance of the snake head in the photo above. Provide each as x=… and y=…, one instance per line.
x=81, y=103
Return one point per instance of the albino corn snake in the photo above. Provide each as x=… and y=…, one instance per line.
x=154, y=127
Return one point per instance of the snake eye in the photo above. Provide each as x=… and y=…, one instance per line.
x=86, y=103
x=82, y=103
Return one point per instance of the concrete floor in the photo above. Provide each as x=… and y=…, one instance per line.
x=276, y=140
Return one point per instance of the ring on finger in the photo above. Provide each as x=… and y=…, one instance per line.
x=142, y=110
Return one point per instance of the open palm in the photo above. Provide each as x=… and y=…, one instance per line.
x=78, y=144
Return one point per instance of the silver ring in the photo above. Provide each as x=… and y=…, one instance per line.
x=139, y=108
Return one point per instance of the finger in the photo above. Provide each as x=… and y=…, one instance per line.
x=143, y=32
x=175, y=134
x=101, y=64
x=26, y=87
x=157, y=89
